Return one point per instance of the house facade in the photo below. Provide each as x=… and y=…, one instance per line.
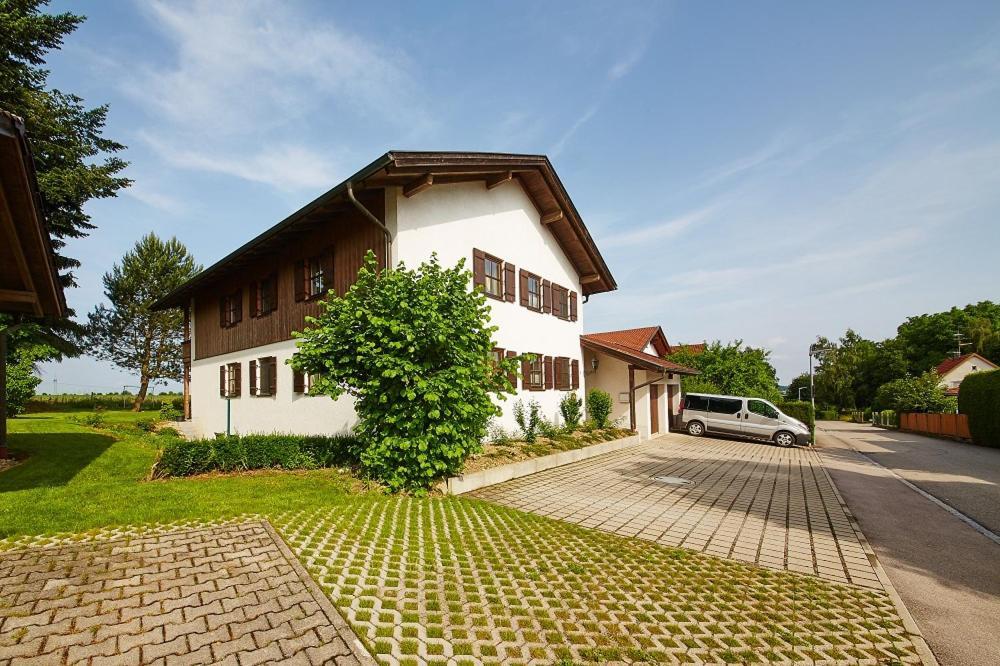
x=508, y=216
x=954, y=370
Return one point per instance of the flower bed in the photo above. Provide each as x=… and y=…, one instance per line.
x=495, y=454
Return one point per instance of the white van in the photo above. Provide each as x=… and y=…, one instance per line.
x=753, y=418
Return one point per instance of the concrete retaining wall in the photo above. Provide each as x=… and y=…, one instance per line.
x=465, y=483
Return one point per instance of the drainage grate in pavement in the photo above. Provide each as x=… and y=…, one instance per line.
x=671, y=480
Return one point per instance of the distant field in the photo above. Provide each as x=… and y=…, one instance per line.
x=77, y=401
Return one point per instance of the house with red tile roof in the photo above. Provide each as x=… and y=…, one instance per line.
x=629, y=364
x=954, y=370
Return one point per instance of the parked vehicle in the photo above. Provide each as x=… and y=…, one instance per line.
x=752, y=418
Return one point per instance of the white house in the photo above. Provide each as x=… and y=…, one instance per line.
x=954, y=370
x=509, y=215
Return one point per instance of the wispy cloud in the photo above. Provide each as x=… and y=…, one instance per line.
x=662, y=231
x=141, y=191
x=559, y=145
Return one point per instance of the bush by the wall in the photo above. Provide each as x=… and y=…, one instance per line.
x=571, y=406
x=801, y=410
x=599, y=407
x=827, y=414
x=979, y=398
x=247, y=452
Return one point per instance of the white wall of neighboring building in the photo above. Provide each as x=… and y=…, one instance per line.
x=452, y=220
x=953, y=378
x=286, y=412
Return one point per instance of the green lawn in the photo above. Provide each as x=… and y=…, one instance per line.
x=76, y=478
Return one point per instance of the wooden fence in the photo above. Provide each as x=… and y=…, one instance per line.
x=947, y=425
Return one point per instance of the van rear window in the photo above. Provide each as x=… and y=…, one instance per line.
x=696, y=402
x=724, y=405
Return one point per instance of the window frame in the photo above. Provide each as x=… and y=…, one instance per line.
x=560, y=297
x=315, y=270
x=487, y=278
x=268, y=285
x=265, y=367
x=232, y=305
x=232, y=380
x=540, y=384
x=562, y=364
x=537, y=294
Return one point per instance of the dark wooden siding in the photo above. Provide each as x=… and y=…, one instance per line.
x=348, y=234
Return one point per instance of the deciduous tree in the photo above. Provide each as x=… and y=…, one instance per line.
x=127, y=332
x=731, y=369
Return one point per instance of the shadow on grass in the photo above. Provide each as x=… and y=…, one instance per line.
x=53, y=459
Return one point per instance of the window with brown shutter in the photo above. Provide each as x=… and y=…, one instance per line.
x=253, y=377
x=298, y=381
x=229, y=380
x=493, y=277
x=264, y=296
x=531, y=291
x=272, y=375
x=478, y=268
x=534, y=373
x=509, y=282
x=563, y=379
x=560, y=301
x=548, y=373
x=222, y=381
x=263, y=376
x=546, y=296
x=237, y=379
x=317, y=275
x=231, y=309
x=572, y=306
x=575, y=371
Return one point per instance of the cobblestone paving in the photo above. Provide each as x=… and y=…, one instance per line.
x=456, y=581
x=227, y=594
x=748, y=501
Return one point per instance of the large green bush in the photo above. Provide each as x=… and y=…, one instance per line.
x=247, y=452
x=414, y=350
x=599, y=407
x=801, y=410
x=915, y=394
x=979, y=398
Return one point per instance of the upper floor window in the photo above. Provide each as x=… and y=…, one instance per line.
x=495, y=276
x=231, y=309
x=313, y=276
x=493, y=286
x=560, y=302
x=317, y=279
x=265, y=296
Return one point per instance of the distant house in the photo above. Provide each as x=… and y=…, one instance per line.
x=954, y=370
x=695, y=348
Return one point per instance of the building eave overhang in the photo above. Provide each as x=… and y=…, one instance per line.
x=402, y=168
x=636, y=358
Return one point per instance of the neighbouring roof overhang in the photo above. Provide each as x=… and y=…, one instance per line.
x=29, y=281
x=414, y=172
x=637, y=358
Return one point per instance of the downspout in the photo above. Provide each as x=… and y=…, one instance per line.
x=374, y=220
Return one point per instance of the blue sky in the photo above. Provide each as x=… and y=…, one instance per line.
x=762, y=171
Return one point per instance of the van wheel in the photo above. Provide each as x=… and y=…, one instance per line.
x=696, y=429
x=784, y=438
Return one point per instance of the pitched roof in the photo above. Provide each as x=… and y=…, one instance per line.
x=29, y=280
x=949, y=364
x=634, y=356
x=695, y=348
x=421, y=169
x=633, y=338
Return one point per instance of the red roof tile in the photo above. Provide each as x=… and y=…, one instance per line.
x=633, y=338
x=635, y=356
x=949, y=364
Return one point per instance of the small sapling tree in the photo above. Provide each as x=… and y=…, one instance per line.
x=413, y=348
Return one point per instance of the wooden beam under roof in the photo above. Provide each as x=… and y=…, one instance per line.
x=17, y=296
x=589, y=279
x=552, y=216
x=20, y=260
x=417, y=186
x=499, y=179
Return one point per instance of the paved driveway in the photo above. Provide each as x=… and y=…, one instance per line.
x=231, y=594
x=748, y=501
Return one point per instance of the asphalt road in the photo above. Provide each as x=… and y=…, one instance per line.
x=946, y=572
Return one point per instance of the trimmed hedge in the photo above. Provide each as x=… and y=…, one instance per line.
x=801, y=410
x=247, y=452
x=979, y=398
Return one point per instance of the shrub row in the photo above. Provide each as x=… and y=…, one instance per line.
x=979, y=398
x=237, y=453
x=801, y=410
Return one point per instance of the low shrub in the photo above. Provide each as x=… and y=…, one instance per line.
x=571, y=408
x=170, y=413
x=979, y=398
x=801, y=410
x=599, y=407
x=548, y=429
x=496, y=434
x=528, y=420
x=92, y=419
x=146, y=425
x=238, y=453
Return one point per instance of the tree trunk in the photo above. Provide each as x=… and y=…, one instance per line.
x=140, y=397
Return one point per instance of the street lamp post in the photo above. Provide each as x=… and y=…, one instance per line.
x=800, y=394
x=813, y=350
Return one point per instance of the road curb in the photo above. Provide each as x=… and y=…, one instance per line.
x=912, y=629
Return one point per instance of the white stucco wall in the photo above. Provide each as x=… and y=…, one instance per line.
x=953, y=378
x=451, y=220
x=286, y=412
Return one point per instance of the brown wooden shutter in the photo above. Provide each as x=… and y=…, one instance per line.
x=572, y=306
x=256, y=299
x=222, y=381
x=525, y=374
x=222, y=312
x=547, y=371
x=300, y=280
x=512, y=376
x=239, y=306
x=546, y=296
x=298, y=382
x=327, y=263
x=478, y=267
x=523, y=286
x=575, y=372
x=557, y=302
x=239, y=379
x=272, y=375
x=509, y=281
x=253, y=377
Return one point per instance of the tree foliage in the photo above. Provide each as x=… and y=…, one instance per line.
x=413, y=348
x=74, y=161
x=915, y=394
x=792, y=392
x=599, y=407
x=928, y=339
x=730, y=369
x=21, y=378
x=850, y=373
x=127, y=332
